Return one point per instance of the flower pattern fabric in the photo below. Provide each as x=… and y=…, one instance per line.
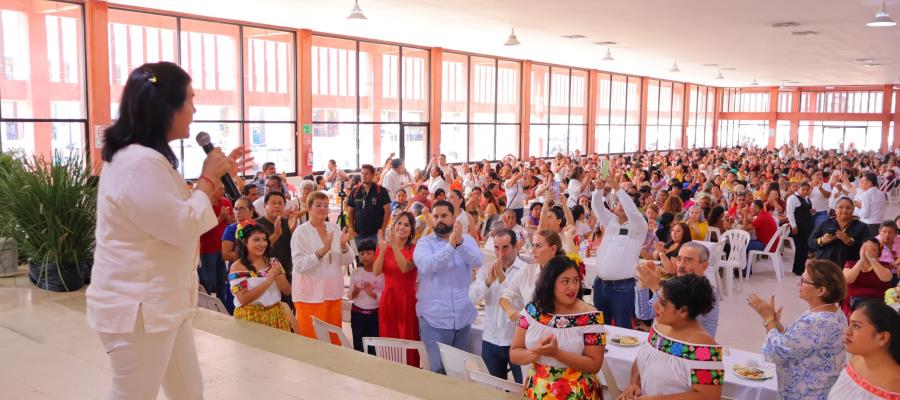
x=710, y=358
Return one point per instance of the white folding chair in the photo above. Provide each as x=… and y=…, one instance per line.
x=736, y=259
x=324, y=331
x=491, y=381
x=395, y=349
x=457, y=362
x=211, y=303
x=712, y=270
x=609, y=379
x=756, y=256
x=710, y=234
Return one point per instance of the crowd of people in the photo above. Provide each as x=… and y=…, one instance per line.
x=624, y=232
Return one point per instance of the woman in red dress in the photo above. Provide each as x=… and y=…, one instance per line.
x=394, y=257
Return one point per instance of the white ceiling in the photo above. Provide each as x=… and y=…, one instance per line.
x=650, y=33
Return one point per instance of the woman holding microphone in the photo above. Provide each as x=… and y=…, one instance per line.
x=143, y=289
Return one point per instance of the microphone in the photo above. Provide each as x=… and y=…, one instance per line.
x=231, y=189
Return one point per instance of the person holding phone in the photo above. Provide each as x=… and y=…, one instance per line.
x=318, y=249
x=839, y=238
x=258, y=280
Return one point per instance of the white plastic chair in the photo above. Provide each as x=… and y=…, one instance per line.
x=211, y=303
x=756, y=256
x=324, y=331
x=716, y=257
x=457, y=363
x=395, y=349
x=736, y=259
x=609, y=379
x=709, y=234
x=491, y=381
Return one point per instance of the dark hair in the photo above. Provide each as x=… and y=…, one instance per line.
x=686, y=233
x=275, y=177
x=513, y=238
x=366, y=245
x=558, y=212
x=535, y=205
x=553, y=239
x=544, y=299
x=459, y=194
x=666, y=219
x=577, y=211
x=439, y=192
x=270, y=194
x=444, y=203
x=241, y=245
x=884, y=319
x=827, y=274
x=715, y=215
x=759, y=204
x=411, y=220
x=266, y=166
x=440, y=171
x=368, y=167
x=871, y=177
x=152, y=95
x=889, y=224
x=691, y=291
x=396, y=163
x=246, y=190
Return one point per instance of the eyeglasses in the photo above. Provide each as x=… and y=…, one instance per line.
x=241, y=208
x=802, y=281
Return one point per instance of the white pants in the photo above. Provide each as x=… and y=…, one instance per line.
x=141, y=362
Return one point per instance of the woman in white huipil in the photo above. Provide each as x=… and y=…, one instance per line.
x=143, y=290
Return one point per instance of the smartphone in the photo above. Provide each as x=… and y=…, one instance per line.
x=831, y=231
x=604, y=169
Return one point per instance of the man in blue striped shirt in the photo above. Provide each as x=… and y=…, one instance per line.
x=693, y=258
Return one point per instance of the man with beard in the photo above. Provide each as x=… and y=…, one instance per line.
x=445, y=261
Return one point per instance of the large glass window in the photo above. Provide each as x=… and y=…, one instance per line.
x=740, y=100
x=665, y=113
x=42, y=100
x=256, y=109
x=479, y=108
x=844, y=135
x=365, y=95
x=618, y=114
x=558, y=110
x=700, y=116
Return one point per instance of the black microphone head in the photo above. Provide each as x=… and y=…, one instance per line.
x=203, y=139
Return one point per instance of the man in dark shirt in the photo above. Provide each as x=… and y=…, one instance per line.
x=369, y=207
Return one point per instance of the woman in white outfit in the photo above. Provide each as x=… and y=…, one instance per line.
x=143, y=290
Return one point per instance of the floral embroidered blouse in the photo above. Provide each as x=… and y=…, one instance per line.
x=809, y=355
x=573, y=331
x=669, y=366
x=849, y=385
x=249, y=280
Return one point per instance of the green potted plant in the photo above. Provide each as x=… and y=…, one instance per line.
x=49, y=208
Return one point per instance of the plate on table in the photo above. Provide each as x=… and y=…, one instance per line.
x=752, y=373
x=625, y=341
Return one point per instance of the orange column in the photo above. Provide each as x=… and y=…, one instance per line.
x=436, y=80
x=39, y=85
x=592, y=112
x=795, y=123
x=525, y=111
x=813, y=101
x=642, y=140
x=886, y=117
x=98, y=92
x=304, y=101
x=686, y=114
x=716, y=110
x=773, y=115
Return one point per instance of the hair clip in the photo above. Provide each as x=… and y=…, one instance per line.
x=241, y=227
x=153, y=79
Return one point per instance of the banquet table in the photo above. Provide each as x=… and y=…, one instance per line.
x=621, y=358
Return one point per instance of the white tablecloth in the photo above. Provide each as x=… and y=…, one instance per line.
x=621, y=358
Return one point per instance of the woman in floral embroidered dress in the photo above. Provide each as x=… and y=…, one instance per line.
x=873, y=341
x=561, y=337
x=679, y=357
x=257, y=280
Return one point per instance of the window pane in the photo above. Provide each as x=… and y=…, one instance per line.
x=578, y=97
x=334, y=80
x=484, y=89
x=273, y=142
x=334, y=141
x=508, y=91
x=209, y=53
x=617, y=139
x=540, y=86
x=454, y=142
x=268, y=74
x=691, y=139
x=558, y=141
x=377, y=141
x=576, y=138
x=665, y=103
x=224, y=135
x=653, y=103
x=559, y=95
x=379, y=74
x=652, y=138
x=537, y=138
x=619, y=100
x=782, y=133
x=34, y=80
x=481, y=142
x=603, y=97
x=45, y=139
x=415, y=84
x=634, y=101
x=415, y=146
x=677, y=104
x=601, y=139
x=454, y=87
x=507, y=140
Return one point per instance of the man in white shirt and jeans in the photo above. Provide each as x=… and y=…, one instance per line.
x=397, y=178
x=819, y=194
x=491, y=281
x=612, y=271
x=870, y=203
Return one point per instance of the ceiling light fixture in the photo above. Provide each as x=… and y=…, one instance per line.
x=356, y=13
x=882, y=18
x=674, y=67
x=720, y=76
x=608, y=56
x=512, y=40
x=754, y=83
x=784, y=24
x=605, y=43
x=804, y=33
x=574, y=36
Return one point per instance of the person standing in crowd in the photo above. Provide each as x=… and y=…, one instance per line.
x=319, y=249
x=394, y=258
x=445, y=261
x=365, y=292
x=251, y=192
x=515, y=194
x=397, y=178
x=212, y=272
x=808, y=354
x=258, y=281
x=369, y=207
x=491, y=281
x=799, y=215
x=693, y=259
x=820, y=193
x=143, y=291
x=279, y=229
x=273, y=184
x=561, y=336
x=873, y=342
x=612, y=270
x=333, y=175
x=870, y=203
x=838, y=239
x=545, y=245
x=242, y=212
x=890, y=253
x=268, y=169
x=681, y=359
